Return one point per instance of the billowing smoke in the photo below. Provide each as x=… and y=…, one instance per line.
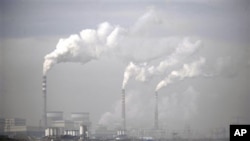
x=144, y=72
x=187, y=71
x=89, y=44
x=124, y=43
x=132, y=70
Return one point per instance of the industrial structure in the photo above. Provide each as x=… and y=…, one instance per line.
x=44, y=89
x=14, y=126
x=81, y=118
x=123, y=111
x=78, y=126
x=52, y=116
x=75, y=128
x=156, y=126
x=54, y=124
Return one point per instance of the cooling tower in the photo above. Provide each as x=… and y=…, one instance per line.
x=156, y=110
x=44, y=88
x=123, y=110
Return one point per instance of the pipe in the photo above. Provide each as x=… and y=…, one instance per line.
x=44, y=89
x=156, y=111
x=123, y=110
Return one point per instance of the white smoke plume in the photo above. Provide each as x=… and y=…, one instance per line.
x=187, y=71
x=144, y=72
x=124, y=43
x=89, y=44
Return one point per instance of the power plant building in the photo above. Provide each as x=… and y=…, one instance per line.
x=13, y=126
x=55, y=123
x=78, y=124
x=53, y=116
x=81, y=118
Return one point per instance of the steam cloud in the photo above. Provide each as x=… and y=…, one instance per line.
x=144, y=72
x=91, y=44
x=88, y=45
x=134, y=45
x=174, y=60
x=188, y=70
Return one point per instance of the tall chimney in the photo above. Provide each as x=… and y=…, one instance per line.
x=44, y=88
x=123, y=110
x=156, y=111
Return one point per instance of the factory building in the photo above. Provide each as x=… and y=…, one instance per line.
x=53, y=116
x=63, y=124
x=62, y=127
x=81, y=118
x=56, y=125
x=15, y=126
x=77, y=126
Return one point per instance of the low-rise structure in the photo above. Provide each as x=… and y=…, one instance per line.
x=15, y=126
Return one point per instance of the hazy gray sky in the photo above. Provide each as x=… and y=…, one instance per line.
x=31, y=29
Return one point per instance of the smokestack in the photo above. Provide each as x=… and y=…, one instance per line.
x=156, y=111
x=123, y=110
x=44, y=88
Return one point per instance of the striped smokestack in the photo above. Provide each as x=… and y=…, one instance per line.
x=123, y=110
x=44, y=88
x=156, y=111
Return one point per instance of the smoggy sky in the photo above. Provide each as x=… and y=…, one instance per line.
x=212, y=97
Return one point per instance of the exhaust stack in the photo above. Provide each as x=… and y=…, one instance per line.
x=44, y=89
x=156, y=111
x=123, y=111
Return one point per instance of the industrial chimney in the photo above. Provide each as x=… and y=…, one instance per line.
x=156, y=111
x=44, y=88
x=123, y=111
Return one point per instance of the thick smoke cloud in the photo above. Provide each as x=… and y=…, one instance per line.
x=135, y=43
x=107, y=39
x=149, y=54
x=143, y=72
x=88, y=45
x=187, y=71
